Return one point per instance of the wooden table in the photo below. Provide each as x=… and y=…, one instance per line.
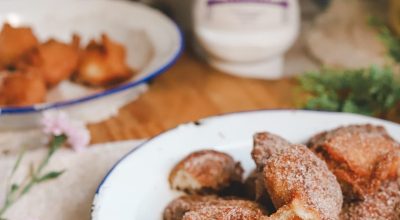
x=191, y=90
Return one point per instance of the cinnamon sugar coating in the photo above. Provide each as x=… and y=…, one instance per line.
x=211, y=207
x=264, y=145
x=204, y=172
x=362, y=157
x=296, y=174
x=384, y=204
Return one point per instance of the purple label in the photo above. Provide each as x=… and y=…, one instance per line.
x=272, y=2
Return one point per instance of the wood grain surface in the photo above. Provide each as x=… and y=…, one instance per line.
x=191, y=90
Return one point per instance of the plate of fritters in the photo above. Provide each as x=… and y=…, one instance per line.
x=79, y=56
x=268, y=164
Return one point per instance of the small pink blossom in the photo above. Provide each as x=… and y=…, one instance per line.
x=57, y=123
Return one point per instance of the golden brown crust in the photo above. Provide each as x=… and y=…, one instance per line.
x=256, y=191
x=205, y=171
x=103, y=63
x=53, y=60
x=298, y=194
x=100, y=64
x=22, y=89
x=14, y=42
x=264, y=145
x=294, y=199
x=384, y=204
x=296, y=174
x=231, y=209
x=300, y=184
x=179, y=206
x=211, y=207
x=361, y=157
x=296, y=210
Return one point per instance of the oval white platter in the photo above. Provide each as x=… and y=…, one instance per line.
x=153, y=43
x=137, y=187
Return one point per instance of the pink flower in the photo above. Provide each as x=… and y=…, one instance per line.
x=57, y=123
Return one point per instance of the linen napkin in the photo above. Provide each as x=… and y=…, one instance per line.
x=70, y=196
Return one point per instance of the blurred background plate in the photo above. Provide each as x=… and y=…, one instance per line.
x=153, y=43
x=137, y=187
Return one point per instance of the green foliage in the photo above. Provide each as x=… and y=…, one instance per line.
x=50, y=176
x=391, y=41
x=373, y=91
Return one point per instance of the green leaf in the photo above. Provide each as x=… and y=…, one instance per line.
x=49, y=176
x=14, y=188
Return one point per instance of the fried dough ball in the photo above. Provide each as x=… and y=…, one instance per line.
x=212, y=207
x=254, y=184
x=297, y=182
x=14, y=42
x=22, y=89
x=264, y=145
x=301, y=183
x=178, y=207
x=204, y=172
x=289, y=176
x=195, y=207
x=55, y=61
x=226, y=209
x=256, y=191
x=384, y=204
x=103, y=64
x=361, y=156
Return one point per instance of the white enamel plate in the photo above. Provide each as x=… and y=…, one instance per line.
x=152, y=41
x=137, y=187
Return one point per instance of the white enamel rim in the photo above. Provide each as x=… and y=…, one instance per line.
x=136, y=187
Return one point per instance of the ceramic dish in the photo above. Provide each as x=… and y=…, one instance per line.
x=153, y=42
x=137, y=187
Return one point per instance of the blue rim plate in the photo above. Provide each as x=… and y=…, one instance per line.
x=137, y=186
x=17, y=12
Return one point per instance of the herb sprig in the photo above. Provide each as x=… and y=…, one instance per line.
x=372, y=91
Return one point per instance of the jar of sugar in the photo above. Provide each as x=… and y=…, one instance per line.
x=246, y=37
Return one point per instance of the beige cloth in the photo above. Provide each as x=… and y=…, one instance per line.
x=70, y=196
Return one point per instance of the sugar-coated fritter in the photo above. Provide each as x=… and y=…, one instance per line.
x=14, y=42
x=205, y=171
x=22, y=89
x=212, y=207
x=256, y=191
x=53, y=60
x=362, y=157
x=384, y=204
x=295, y=177
x=264, y=145
x=103, y=64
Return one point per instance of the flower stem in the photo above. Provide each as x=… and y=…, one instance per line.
x=55, y=144
x=12, y=195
